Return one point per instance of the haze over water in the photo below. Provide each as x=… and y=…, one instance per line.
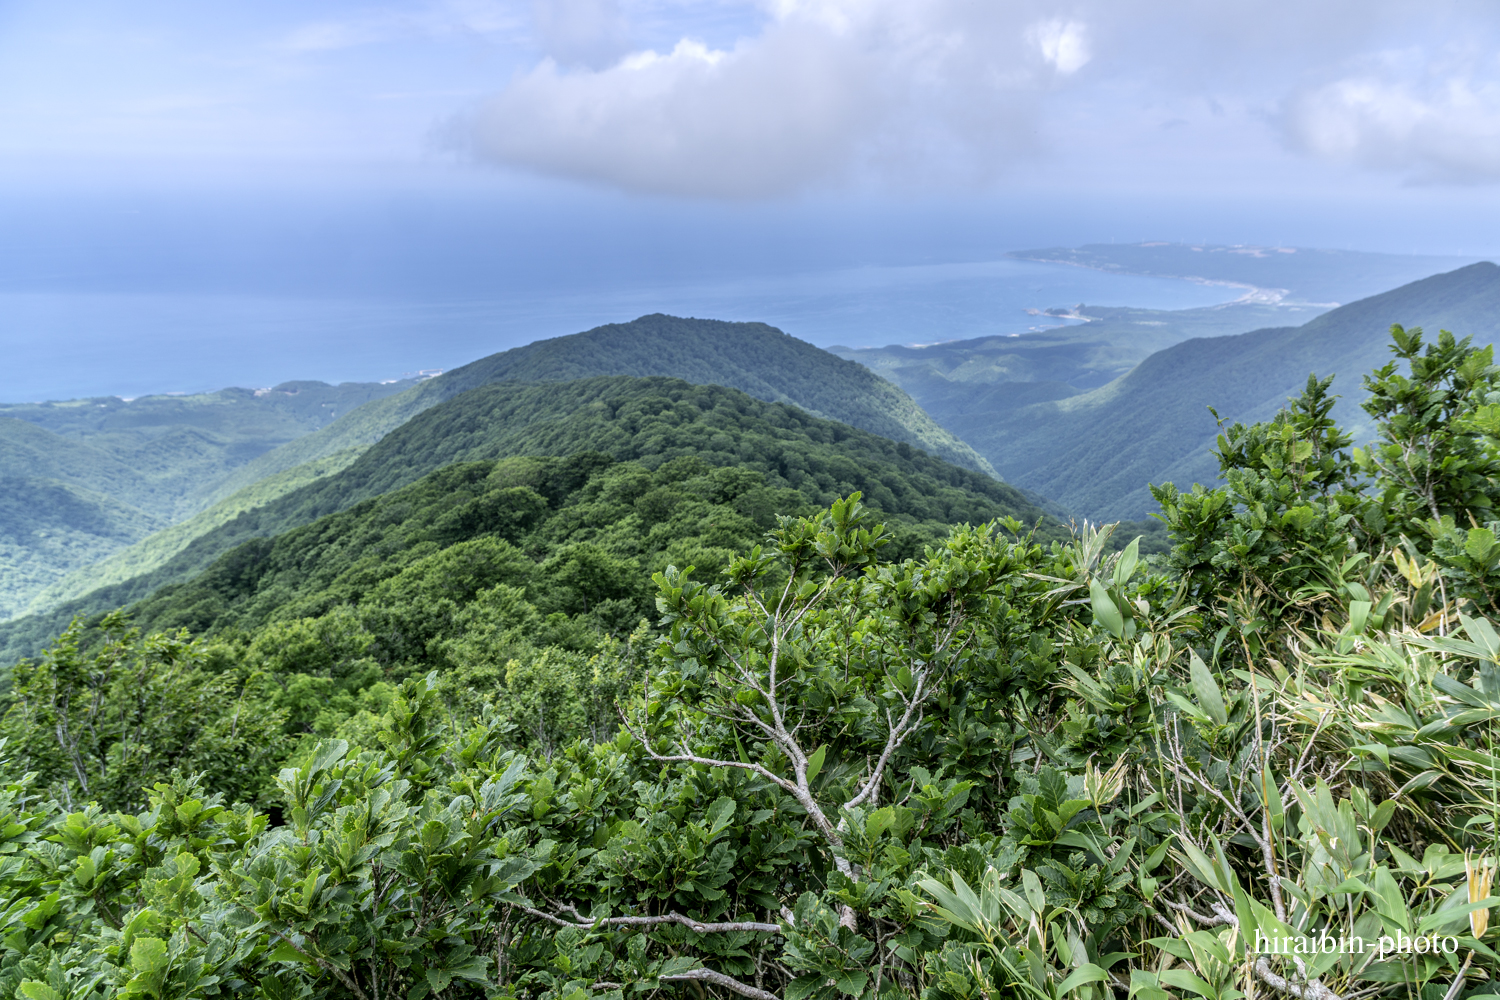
x=68, y=345
x=136, y=292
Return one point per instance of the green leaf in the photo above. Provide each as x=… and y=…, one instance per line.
x=33, y=990
x=1084, y=974
x=148, y=954
x=327, y=754
x=1207, y=689
x=851, y=982
x=719, y=815
x=1390, y=902
x=803, y=986
x=1105, y=612
x=1383, y=814
x=1125, y=568
x=815, y=762
x=1185, y=980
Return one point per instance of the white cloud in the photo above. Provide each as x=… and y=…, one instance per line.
x=938, y=92
x=830, y=89
x=1433, y=122
x=1062, y=43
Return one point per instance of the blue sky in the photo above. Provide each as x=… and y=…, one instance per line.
x=449, y=150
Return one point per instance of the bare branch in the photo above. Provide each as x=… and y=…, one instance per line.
x=726, y=927
x=1206, y=921
x=719, y=979
x=1311, y=990
x=1458, y=981
x=897, y=736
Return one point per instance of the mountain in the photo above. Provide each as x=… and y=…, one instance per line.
x=752, y=357
x=234, y=432
x=1089, y=346
x=1100, y=344
x=80, y=480
x=1096, y=452
x=155, y=549
x=646, y=420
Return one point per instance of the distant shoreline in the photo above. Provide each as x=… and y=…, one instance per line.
x=1254, y=294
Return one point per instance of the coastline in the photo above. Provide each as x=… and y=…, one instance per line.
x=1253, y=294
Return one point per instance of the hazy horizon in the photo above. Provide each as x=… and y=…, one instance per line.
x=287, y=189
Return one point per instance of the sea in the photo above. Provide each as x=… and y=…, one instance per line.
x=130, y=296
x=64, y=345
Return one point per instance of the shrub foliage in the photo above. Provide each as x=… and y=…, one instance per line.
x=833, y=760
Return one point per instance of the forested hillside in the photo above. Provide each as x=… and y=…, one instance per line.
x=425, y=747
x=82, y=479
x=753, y=357
x=156, y=549
x=651, y=420
x=1095, y=452
x=1065, y=360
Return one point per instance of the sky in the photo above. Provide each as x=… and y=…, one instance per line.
x=463, y=149
x=753, y=100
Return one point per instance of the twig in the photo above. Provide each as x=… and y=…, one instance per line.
x=1206, y=921
x=719, y=979
x=670, y=918
x=1311, y=990
x=1458, y=981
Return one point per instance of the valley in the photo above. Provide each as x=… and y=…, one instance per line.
x=616, y=621
x=138, y=489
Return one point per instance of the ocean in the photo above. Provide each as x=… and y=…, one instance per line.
x=64, y=345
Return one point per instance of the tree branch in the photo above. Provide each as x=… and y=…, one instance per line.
x=1311, y=990
x=719, y=979
x=670, y=918
x=1206, y=921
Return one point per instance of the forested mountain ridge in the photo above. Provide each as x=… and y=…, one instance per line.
x=752, y=357
x=414, y=752
x=645, y=419
x=1095, y=452
x=80, y=480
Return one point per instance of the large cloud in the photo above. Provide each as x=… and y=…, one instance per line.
x=826, y=90
x=953, y=90
x=1435, y=121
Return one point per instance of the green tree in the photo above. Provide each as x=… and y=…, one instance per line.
x=103, y=726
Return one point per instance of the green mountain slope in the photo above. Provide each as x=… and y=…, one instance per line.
x=752, y=357
x=651, y=420
x=1096, y=452
x=63, y=505
x=80, y=480
x=156, y=549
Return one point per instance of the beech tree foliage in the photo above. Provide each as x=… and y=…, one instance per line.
x=824, y=767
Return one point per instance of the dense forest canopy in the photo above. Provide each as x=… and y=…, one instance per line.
x=649, y=420
x=100, y=479
x=449, y=742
